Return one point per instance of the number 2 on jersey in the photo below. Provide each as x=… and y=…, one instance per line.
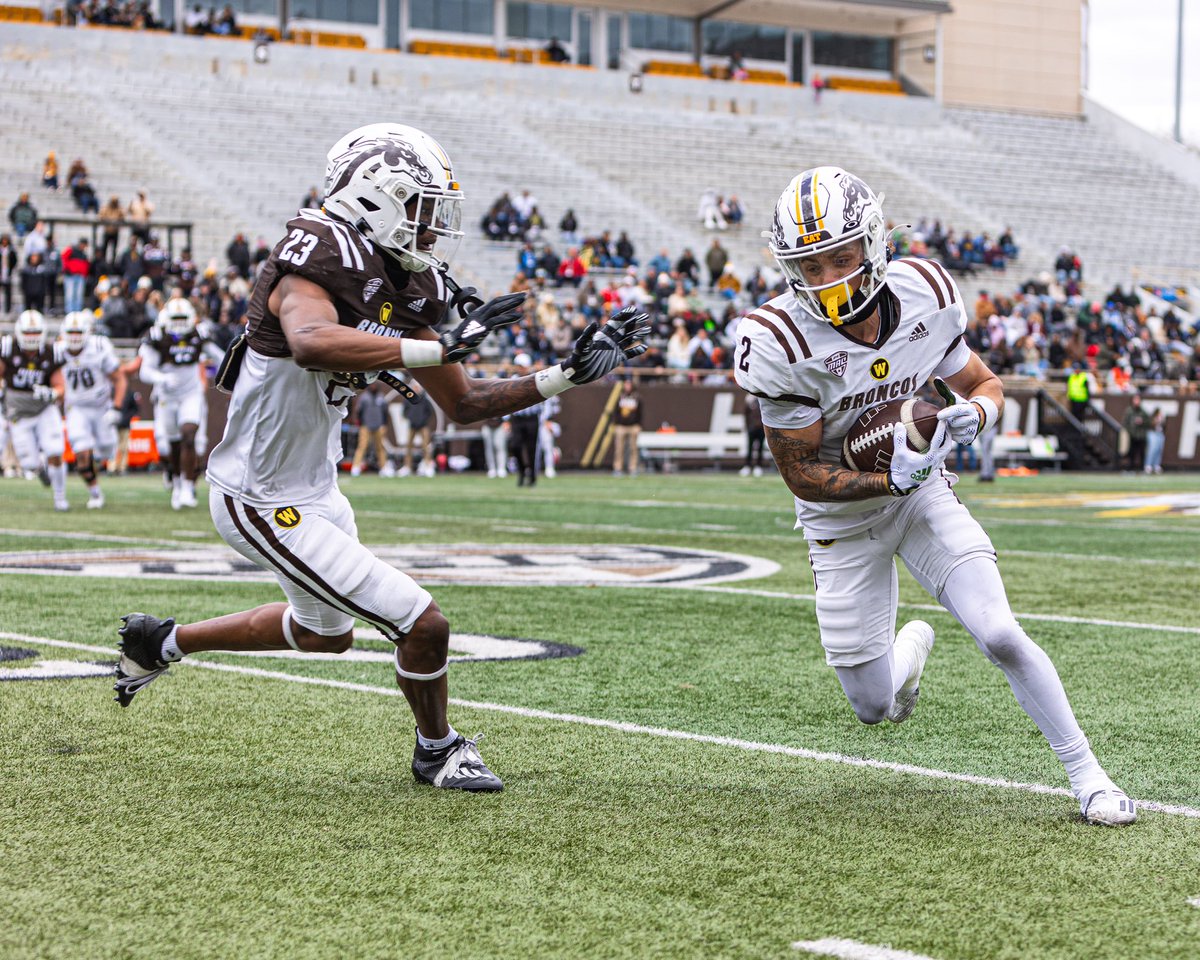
x=744, y=361
x=298, y=256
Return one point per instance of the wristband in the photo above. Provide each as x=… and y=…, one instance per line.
x=552, y=381
x=990, y=412
x=420, y=353
x=895, y=491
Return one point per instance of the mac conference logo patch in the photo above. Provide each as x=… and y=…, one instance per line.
x=371, y=288
x=880, y=368
x=835, y=363
x=287, y=517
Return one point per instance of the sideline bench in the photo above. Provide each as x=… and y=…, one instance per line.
x=1016, y=449
x=662, y=449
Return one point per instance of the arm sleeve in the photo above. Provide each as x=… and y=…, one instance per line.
x=150, y=372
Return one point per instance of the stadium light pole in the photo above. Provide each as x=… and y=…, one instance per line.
x=1179, y=76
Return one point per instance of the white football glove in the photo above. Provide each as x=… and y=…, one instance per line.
x=961, y=415
x=910, y=469
x=112, y=417
x=44, y=394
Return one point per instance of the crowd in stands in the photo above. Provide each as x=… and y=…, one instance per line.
x=966, y=253
x=135, y=14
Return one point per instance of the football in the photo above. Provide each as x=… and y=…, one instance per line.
x=868, y=444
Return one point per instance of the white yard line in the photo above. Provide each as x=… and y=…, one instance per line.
x=97, y=537
x=853, y=950
x=938, y=608
x=748, y=745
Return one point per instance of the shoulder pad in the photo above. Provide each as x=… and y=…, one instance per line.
x=320, y=248
x=910, y=277
x=762, y=364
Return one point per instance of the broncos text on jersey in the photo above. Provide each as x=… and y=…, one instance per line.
x=807, y=371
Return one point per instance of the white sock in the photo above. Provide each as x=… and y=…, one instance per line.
x=58, y=480
x=170, y=649
x=94, y=490
x=428, y=744
x=903, y=657
x=975, y=595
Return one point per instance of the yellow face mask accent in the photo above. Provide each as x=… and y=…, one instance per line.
x=834, y=298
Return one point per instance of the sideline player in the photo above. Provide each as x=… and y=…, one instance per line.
x=852, y=331
x=355, y=288
x=171, y=356
x=95, y=391
x=33, y=381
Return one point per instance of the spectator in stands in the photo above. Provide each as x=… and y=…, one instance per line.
x=679, y=347
x=1007, y=244
x=555, y=52
x=737, y=66
x=22, y=215
x=524, y=204
x=312, y=199
x=36, y=280
x=8, y=270
x=687, y=267
x=82, y=192
x=76, y=267
x=715, y=259
x=572, y=269
x=130, y=265
x=732, y=210
x=141, y=209
x=238, y=255
x=226, y=23
x=111, y=216
x=625, y=253
x=729, y=286
x=154, y=259
x=195, y=21
x=183, y=272
x=1068, y=266
x=36, y=241
x=568, y=229
x=50, y=172
x=627, y=425
x=818, y=85
x=709, y=211
x=527, y=260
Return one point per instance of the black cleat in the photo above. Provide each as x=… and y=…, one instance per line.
x=141, y=654
x=456, y=767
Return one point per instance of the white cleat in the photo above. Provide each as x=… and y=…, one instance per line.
x=919, y=635
x=96, y=501
x=61, y=506
x=1109, y=807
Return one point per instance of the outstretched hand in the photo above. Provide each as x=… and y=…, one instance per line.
x=463, y=340
x=601, y=349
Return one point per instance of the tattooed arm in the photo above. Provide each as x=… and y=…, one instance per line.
x=795, y=453
x=466, y=400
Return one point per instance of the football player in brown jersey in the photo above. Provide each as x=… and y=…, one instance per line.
x=353, y=290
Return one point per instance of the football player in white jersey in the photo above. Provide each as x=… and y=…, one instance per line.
x=352, y=290
x=171, y=356
x=95, y=390
x=31, y=368
x=856, y=329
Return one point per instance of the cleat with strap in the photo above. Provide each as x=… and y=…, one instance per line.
x=1109, y=807
x=456, y=767
x=141, y=654
x=919, y=635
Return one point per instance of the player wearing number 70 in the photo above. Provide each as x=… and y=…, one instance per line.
x=855, y=329
x=354, y=290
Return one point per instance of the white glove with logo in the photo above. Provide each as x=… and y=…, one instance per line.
x=910, y=469
x=44, y=394
x=963, y=416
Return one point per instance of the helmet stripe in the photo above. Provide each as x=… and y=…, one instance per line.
x=816, y=202
x=807, y=220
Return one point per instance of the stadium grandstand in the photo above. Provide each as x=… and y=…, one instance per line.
x=1018, y=186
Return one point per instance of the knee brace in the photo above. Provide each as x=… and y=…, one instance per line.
x=409, y=675
x=86, y=467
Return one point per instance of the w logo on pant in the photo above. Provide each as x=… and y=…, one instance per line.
x=287, y=517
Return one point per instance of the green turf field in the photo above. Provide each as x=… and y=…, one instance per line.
x=691, y=785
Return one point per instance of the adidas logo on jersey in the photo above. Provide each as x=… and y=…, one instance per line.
x=371, y=288
x=417, y=305
x=919, y=332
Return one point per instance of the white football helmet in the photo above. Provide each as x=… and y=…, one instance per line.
x=395, y=184
x=76, y=328
x=822, y=209
x=31, y=331
x=177, y=317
